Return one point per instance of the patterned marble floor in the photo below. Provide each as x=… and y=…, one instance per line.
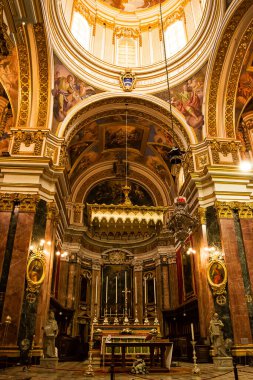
x=76, y=371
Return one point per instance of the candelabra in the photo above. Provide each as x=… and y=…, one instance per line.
x=90, y=371
x=195, y=370
x=136, y=320
x=105, y=321
x=95, y=319
x=146, y=321
x=156, y=322
x=116, y=319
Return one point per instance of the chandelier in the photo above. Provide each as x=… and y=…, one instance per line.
x=125, y=218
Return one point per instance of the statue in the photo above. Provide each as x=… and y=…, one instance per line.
x=216, y=336
x=139, y=367
x=50, y=333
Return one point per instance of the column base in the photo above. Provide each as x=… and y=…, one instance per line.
x=50, y=363
x=223, y=363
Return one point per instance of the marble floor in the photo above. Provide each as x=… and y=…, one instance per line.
x=76, y=371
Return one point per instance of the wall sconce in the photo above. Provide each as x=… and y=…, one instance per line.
x=214, y=253
x=191, y=251
x=61, y=254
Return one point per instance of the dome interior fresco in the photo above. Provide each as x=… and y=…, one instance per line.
x=132, y=5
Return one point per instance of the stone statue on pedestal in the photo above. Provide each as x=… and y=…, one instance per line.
x=50, y=333
x=216, y=336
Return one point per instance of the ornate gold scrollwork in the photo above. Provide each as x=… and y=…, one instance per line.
x=127, y=80
x=28, y=138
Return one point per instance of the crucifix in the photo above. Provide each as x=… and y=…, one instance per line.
x=126, y=291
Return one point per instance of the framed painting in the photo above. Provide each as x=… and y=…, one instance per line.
x=35, y=271
x=217, y=275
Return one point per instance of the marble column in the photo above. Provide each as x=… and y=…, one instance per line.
x=201, y=261
x=45, y=291
x=246, y=221
x=237, y=300
x=16, y=280
x=6, y=207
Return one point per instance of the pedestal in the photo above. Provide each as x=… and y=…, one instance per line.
x=51, y=363
x=223, y=363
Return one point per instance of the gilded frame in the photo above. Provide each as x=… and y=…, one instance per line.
x=35, y=271
x=217, y=276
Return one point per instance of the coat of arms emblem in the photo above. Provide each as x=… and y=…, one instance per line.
x=127, y=80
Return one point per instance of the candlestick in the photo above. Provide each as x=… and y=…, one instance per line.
x=192, y=331
x=96, y=295
x=116, y=296
x=135, y=285
x=106, y=290
x=196, y=369
x=145, y=290
x=125, y=279
x=154, y=291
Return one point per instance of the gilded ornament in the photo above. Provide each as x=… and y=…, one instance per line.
x=28, y=138
x=217, y=276
x=225, y=148
x=233, y=80
x=35, y=271
x=221, y=299
x=218, y=65
x=27, y=202
x=224, y=210
x=24, y=80
x=40, y=37
x=202, y=215
x=6, y=202
x=127, y=80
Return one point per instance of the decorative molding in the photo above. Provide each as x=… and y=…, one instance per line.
x=24, y=79
x=28, y=138
x=27, y=202
x=202, y=215
x=126, y=32
x=40, y=37
x=218, y=65
x=202, y=160
x=224, y=148
x=52, y=211
x=6, y=202
x=233, y=81
x=224, y=210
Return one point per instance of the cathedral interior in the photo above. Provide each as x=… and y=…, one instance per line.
x=126, y=175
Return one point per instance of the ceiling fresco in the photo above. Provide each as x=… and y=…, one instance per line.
x=105, y=140
x=187, y=98
x=110, y=192
x=131, y=5
x=67, y=92
x=6, y=121
x=9, y=78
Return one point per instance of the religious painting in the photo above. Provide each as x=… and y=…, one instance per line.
x=115, y=137
x=82, y=140
x=110, y=192
x=35, y=271
x=187, y=98
x=68, y=91
x=217, y=275
x=115, y=279
x=131, y=5
x=86, y=160
x=9, y=78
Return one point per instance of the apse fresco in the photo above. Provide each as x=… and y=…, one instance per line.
x=68, y=91
x=131, y=5
x=187, y=98
x=110, y=192
x=9, y=78
x=115, y=137
x=87, y=160
x=245, y=85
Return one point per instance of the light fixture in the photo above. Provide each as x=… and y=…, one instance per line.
x=190, y=251
x=125, y=217
x=246, y=166
x=175, y=154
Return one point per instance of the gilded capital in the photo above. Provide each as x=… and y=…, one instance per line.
x=202, y=215
x=27, y=202
x=224, y=210
x=52, y=212
x=245, y=210
x=6, y=202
